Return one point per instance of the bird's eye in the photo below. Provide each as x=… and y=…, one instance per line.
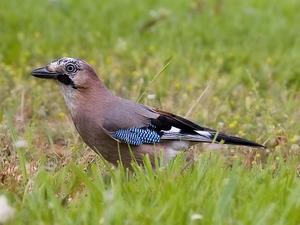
x=71, y=68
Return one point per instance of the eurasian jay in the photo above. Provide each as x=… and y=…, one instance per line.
x=119, y=129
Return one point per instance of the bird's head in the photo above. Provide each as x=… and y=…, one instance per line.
x=70, y=72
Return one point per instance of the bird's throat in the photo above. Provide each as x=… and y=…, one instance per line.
x=70, y=97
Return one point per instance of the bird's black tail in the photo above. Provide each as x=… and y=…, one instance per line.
x=208, y=136
x=233, y=140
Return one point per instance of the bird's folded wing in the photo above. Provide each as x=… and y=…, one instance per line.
x=136, y=124
x=166, y=127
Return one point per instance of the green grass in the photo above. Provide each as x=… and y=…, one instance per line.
x=244, y=54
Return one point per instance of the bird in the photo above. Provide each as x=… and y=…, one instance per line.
x=120, y=130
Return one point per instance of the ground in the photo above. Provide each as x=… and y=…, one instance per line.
x=230, y=65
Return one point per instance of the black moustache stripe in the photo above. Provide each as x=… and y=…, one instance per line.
x=65, y=79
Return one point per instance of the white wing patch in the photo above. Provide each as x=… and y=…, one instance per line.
x=174, y=134
x=173, y=130
x=204, y=133
x=200, y=132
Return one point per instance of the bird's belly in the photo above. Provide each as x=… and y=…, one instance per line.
x=114, y=152
x=111, y=150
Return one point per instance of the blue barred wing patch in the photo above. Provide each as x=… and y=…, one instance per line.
x=137, y=136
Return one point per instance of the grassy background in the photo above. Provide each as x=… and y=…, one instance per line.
x=245, y=54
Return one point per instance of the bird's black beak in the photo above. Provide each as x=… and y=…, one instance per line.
x=43, y=72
